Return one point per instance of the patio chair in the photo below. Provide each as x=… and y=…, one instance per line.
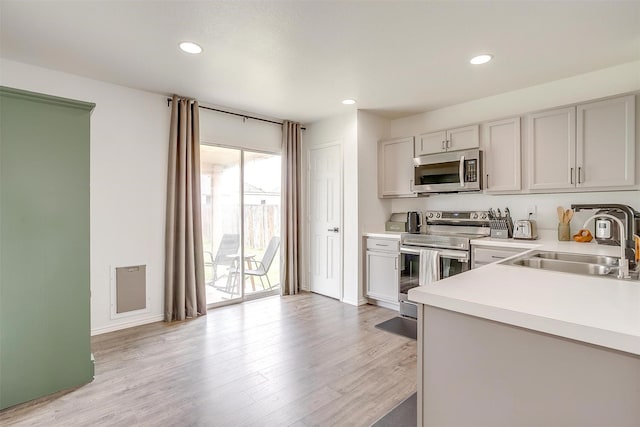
x=261, y=267
x=225, y=256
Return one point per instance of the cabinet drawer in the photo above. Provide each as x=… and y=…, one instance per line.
x=483, y=255
x=383, y=245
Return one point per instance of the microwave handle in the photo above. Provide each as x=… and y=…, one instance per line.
x=461, y=171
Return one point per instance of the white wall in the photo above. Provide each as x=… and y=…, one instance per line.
x=372, y=211
x=603, y=83
x=341, y=129
x=129, y=149
x=598, y=84
x=129, y=146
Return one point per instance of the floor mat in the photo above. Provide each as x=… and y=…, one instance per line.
x=401, y=326
x=403, y=415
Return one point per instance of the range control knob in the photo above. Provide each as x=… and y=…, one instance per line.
x=430, y=214
x=438, y=215
x=474, y=215
x=484, y=216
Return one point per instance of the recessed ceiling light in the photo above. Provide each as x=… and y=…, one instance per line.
x=190, y=47
x=481, y=59
x=348, y=101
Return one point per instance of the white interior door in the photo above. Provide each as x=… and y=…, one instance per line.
x=325, y=220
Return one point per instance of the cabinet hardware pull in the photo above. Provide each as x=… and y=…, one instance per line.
x=448, y=143
x=443, y=144
x=487, y=180
x=380, y=244
x=579, y=175
x=571, y=176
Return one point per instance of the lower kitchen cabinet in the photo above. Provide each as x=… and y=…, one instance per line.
x=483, y=255
x=382, y=270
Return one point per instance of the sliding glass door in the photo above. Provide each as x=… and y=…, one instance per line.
x=261, y=223
x=220, y=170
x=240, y=223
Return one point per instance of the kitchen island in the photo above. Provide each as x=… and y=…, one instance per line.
x=505, y=345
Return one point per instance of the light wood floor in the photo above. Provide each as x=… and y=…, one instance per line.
x=302, y=360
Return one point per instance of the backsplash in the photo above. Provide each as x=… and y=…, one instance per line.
x=546, y=204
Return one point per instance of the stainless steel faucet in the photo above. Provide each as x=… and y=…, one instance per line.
x=623, y=263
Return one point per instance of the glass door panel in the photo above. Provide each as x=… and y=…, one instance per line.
x=221, y=223
x=261, y=223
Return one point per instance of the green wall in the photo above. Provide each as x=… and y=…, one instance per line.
x=44, y=245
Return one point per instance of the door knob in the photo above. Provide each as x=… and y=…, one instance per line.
x=334, y=229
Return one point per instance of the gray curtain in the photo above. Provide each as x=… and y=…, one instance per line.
x=290, y=249
x=184, y=288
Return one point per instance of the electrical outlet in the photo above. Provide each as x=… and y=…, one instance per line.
x=532, y=210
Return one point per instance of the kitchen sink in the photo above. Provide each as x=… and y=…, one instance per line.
x=588, y=265
x=567, y=266
x=589, y=259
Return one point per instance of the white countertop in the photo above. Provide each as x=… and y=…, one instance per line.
x=599, y=311
x=384, y=235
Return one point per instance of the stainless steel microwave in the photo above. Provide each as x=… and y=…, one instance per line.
x=449, y=172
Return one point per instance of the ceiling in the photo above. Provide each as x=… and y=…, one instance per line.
x=298, y=60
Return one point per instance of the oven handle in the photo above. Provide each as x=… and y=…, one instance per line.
x=443, y=253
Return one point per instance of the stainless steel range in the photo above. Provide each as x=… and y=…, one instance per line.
x=445, y=239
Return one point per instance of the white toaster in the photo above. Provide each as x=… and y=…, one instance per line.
x=525, y=229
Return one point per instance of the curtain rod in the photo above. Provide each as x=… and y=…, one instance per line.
x=244, y=116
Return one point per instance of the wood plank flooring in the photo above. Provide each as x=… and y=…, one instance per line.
x=302, y=360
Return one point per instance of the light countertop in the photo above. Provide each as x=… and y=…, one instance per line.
x=384, y=235
x=599, y=311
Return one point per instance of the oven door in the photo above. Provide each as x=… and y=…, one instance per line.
x=451, y=262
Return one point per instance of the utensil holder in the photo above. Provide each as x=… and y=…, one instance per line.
x=564, y=232
x=501, y=228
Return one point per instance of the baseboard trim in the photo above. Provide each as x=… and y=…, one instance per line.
x=389, y=305
x=130, y=324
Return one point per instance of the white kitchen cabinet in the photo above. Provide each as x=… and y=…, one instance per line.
x=382, y=270
x=395, y=168
x=605, y=150
x=590, y=145
x=502, y=159
x=483, y=255
x=456, y=139
x=551, y=137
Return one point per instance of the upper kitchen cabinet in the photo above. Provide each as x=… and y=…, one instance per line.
x=551, y=137
x=448, y=140
x=395, y=168
x=501, y=147
x=588, y=146
x=605, y=151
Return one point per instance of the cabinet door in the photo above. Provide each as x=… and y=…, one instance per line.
x=481, y=255
x=501, y=147
x=605, y=147
x=463, y=138
x=429, y=143
x=395, y=168
x=382, y=276
x=552, y=148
